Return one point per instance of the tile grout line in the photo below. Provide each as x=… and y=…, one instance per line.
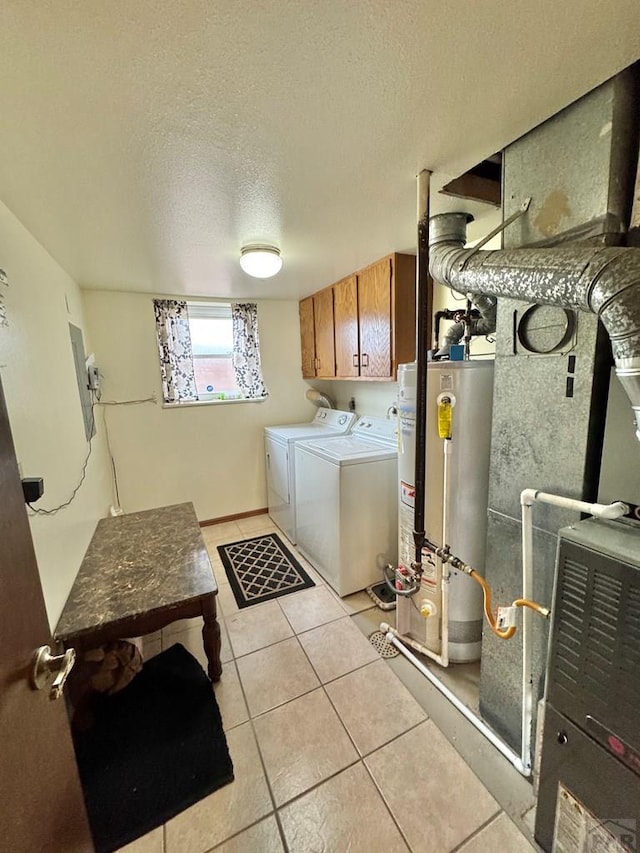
x=477, y=831
x=264, y=770
x=360, y=758
x=264, y=767
x=236, y=834
x=464, y=723
x=284, y=639
x=387, y=806
x=317, y=686
x=252, y=718
x=333, y=775
x=316, y=785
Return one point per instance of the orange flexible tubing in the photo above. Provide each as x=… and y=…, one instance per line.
x=524, y=602
x=505, y=634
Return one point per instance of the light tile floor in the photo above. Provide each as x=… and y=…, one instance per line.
x=331, y=751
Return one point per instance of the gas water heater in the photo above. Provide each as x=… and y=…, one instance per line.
x=443, y=619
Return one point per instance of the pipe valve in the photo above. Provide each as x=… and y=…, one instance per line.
x=427, y=608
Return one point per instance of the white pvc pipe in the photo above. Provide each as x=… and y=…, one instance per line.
x=526, y=716
x=527, y=498
x=444, y=567
x=424, y=650
x=422, y=194
x=483, y=728
x=614, y=510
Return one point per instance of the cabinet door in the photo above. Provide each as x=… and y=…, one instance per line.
x=307, y=338
x=345, y=307
x=374, y=306
x=323, y=323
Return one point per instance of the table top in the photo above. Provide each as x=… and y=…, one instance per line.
x=137, y=564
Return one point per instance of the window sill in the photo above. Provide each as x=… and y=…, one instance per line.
x=190, y=404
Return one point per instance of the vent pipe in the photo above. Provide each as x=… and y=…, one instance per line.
x=485, y=324
x=604, y=280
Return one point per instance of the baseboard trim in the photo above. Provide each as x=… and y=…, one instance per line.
x=208, y=521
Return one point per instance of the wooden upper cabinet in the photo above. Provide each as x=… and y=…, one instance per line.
x=403, y=310
x=375, y=315
x=317, y=336
x=323, y=323
x=345, y=307
x=307, y=338
x=365, y=325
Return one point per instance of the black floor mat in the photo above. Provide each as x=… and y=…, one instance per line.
x=153, y=749
x=261, y=569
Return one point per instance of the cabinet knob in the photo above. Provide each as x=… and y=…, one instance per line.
x=365, y=359
x=355, y=359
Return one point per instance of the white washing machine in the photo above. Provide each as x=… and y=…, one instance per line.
x=280, y=461
x=347, y=504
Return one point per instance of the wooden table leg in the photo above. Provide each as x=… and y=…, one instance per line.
x=211, y=637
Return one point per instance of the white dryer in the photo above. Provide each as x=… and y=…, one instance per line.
x=347, y=503
x=280, y=461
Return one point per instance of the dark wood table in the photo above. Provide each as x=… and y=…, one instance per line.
x=141, y=572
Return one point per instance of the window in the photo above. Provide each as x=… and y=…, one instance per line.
x=211, y=330
x=209, y=351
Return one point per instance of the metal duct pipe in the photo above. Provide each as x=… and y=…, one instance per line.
x=604, y=280
x=482, y=325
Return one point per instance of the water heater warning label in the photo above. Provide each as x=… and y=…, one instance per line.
x=408, y=494
x=446, y=382
x=577, y=830
x=406, y=547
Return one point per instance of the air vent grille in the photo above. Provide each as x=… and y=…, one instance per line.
x=595, y=656
x=570, y=623
x=630, y=648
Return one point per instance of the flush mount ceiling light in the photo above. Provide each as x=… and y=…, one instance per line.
x=260, y=261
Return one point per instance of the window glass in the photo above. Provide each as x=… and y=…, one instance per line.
x=212, y=344
x=211, y=336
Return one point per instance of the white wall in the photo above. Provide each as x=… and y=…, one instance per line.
x=372, y=398
x=39, y=381
x=210, y=454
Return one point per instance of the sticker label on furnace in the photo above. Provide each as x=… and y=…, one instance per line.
x=577, y=830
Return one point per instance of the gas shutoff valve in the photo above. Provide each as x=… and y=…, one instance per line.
x=403, y=579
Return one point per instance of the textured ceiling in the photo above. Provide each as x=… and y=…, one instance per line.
x=143, y=142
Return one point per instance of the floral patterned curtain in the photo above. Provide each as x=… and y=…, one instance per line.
x=174, y=347
x=246, y=350
x=3, y=311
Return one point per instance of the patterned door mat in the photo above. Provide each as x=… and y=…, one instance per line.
x=262, y=568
